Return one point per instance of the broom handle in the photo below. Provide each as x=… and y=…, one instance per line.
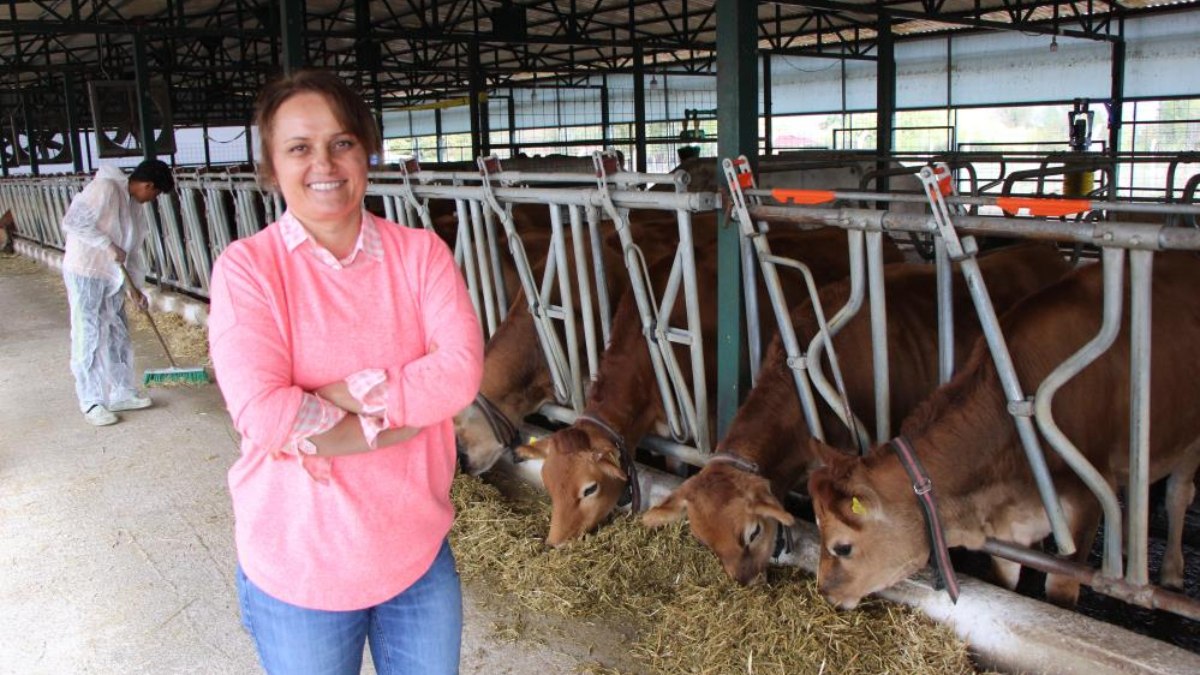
x=146, y=311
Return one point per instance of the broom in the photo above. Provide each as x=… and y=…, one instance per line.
x=174, y=374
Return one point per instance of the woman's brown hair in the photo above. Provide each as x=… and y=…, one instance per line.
x=348, y=107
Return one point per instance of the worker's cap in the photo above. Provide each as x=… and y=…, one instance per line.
x=156, y=172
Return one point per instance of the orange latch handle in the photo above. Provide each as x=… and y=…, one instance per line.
x=784, y=196
x=945, y=186
x=1043, y=207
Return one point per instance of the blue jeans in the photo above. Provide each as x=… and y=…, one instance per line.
x=418, y=632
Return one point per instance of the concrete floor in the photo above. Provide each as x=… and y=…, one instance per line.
x=116, y=543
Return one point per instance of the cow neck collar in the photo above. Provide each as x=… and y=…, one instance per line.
x=737, y=462
x=923, y=487
x=633, y=491
x=783, y=534
x=503, y=428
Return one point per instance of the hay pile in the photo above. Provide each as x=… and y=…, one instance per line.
x=689, y=617
x=187, y=341
x=14, y=264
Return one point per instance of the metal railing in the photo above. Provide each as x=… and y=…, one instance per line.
x=952, y=228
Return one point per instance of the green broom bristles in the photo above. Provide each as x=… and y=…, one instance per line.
x=169, y=376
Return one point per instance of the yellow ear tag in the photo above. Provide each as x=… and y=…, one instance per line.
x=857, y=507
x=532, y=440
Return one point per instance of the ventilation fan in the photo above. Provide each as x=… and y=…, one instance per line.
x=49, y=142
x=118, y=127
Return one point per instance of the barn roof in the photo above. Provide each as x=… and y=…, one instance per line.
x=215, y=54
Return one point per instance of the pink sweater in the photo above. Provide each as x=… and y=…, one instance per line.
x=282, y=323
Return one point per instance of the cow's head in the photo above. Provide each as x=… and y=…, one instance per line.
x=872, y=532
x=732, y=512
x=478, y=447
x=582, y=472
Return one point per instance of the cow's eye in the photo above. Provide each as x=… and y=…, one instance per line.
x=590, y=489
x=842, y=550
x=752, y=533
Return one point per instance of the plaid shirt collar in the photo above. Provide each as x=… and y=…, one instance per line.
x=368, y=242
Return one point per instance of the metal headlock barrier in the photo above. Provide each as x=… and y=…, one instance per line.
x=188, y=230
x=38, y=205
x=197, y=223
x=483, y=204
x=953, y=231
x=686, y=411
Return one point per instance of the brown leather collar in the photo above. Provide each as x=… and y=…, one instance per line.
x=633, y=490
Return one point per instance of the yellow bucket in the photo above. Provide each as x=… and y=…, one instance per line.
x=1078, y=183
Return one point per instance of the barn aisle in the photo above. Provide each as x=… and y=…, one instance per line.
x=117, y=542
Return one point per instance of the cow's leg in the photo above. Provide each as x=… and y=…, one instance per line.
x=1181, y=489
x=1083, y=516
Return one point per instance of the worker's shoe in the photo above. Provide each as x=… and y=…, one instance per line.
x=134, y=402
x=100, y=416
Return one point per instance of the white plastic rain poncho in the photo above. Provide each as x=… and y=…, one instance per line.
x=101, y=353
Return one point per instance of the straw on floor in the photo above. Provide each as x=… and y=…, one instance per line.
x=164, y=376
x=689, y=617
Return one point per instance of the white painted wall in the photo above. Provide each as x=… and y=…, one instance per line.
x=1163, y=56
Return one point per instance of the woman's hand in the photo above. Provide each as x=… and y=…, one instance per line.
x=338, y=393
x=346, y=438
x=398, y=435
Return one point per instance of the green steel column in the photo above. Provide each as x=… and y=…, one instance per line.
x=249, y=137
x=1116, y=110
x=291, y=25
x=27, y=122
x=16, y=73
x=512, y=123
x=72, y=122
x=737, y=122
x=438, y=140
x=368, y=56
x=207, y=150
x=479, y=132
x=768, y=106
x=639, y=108
x=885, y=95
x=141, y=71
x=604, y=116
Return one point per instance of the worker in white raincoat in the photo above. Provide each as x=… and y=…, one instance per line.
x=105, y=227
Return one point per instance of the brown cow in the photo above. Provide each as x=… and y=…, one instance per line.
x=582, y=463
x=735, y=504
x=7, y=232
x=872, y=529
x=516, y=378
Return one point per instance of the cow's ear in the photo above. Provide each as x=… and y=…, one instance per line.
x=822, y=488
x=770, y=508
x=862, y=502
x=534, y=450
x=826, y=455
x=670, y=510
x=608, y=466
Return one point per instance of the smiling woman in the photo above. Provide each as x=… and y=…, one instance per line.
x=344, y=399
x=321, y=168
x=317, y=136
